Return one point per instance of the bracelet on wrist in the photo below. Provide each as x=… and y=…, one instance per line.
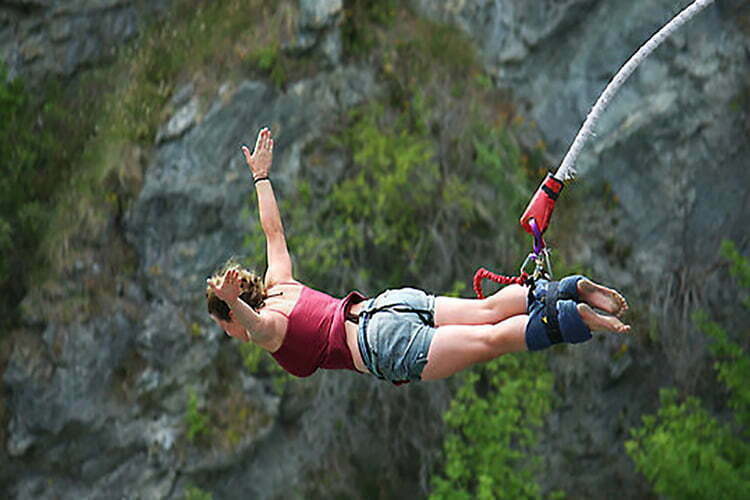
x=258, y=179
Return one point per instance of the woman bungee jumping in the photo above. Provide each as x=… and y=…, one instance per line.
x=400, y=335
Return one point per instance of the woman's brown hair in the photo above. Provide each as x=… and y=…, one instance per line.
x=253, y=290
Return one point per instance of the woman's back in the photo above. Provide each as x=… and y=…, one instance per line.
x=315, y=334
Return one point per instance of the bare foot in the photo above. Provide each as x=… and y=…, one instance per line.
x=606, y=299
x=598, y=322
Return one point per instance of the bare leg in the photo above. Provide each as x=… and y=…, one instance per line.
x=599, y=322
x=455, y=347
x=506, y=302
x=601, y=297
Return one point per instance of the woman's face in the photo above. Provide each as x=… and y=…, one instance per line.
x=232, y=328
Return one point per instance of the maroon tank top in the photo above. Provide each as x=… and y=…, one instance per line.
x=315, y=335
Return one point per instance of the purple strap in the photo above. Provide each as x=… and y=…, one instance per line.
x=538, y=240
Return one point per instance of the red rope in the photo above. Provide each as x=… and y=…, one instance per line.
x=483, y=273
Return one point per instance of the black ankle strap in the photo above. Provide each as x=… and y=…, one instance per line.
x=550, y=312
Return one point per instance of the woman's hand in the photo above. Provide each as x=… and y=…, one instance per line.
x=230, y=289
x=260, y=160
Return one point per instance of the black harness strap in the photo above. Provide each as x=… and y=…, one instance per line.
x=424, y=315
x=550, y=312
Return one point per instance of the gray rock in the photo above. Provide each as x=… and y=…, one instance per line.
x=319, y=14
x=332, y=48
x=318, y=29
x=182, y=120
x=200, y=181
x=43, y=39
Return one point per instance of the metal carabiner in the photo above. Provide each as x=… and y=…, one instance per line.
x=547, y=262
x=529, y=258
x=539, y=256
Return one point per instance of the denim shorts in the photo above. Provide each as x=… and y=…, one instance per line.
x=395, y=333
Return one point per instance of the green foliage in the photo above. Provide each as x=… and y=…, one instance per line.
x=30, y=172
x=196, y=421
x=19, y=163
x=357, y=31
x=270, y=60
x=502, y=166
x=377, y=214
x=492, y=425
x=684, y=450
x=732, y=367
x=395, y=180
x=258, y=362
x=221, y=36
x=195, y=493
x=740, y=267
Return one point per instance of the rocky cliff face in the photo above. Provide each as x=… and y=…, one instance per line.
x=42, y=39
x=100, y=408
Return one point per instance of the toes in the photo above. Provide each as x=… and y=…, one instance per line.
x=623, y=305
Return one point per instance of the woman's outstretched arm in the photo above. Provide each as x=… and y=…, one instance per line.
x=260, y=161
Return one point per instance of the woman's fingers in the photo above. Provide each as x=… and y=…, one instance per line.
x=263, y=141
x=259, y=141
x=267, y=139
x=246, y=152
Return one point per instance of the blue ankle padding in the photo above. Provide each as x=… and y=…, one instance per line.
x=572, y=327
x=568, y=287
x=536, y=331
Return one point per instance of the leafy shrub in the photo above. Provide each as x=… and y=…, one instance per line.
x=359, y=15
x=19, y=159
x=30, y=172
x=377, y=213
x=491, y=428
x=684, y=450
x=196, y=421
x=195, y=493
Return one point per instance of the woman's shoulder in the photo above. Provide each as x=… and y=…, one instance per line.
x=281, y=298
x=280, y=285
x=283, y=294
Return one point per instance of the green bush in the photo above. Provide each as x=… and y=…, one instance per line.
x=359, y=15
x=18, y=162
x=195, y=493
x=195, y=419
x=684, y=450
x=378, y=212
x=492, y=425
x=29, y=176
